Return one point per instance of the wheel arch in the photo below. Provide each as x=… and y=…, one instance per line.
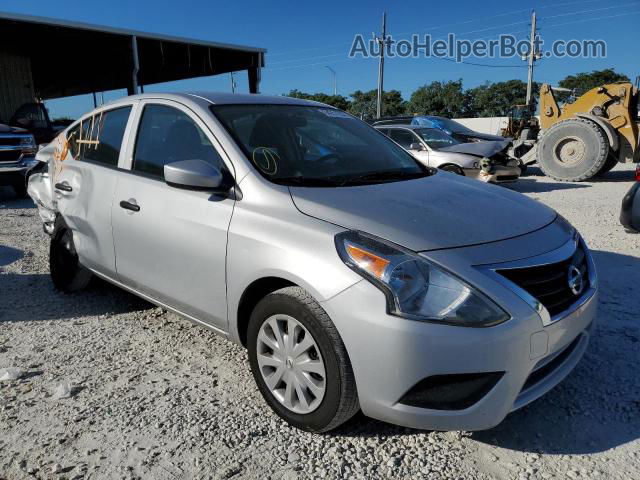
x=460, y=170
x=250, y=297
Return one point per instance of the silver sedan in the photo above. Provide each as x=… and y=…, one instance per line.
x=355, y=276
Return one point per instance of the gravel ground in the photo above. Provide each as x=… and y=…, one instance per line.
x=112, y=387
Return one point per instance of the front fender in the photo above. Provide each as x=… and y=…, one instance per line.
x=269, y=237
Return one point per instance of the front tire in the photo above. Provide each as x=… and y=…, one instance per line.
x=573, y=150
x=66, y=272
x=612, y=161
x=299, y=361
x=453, y=169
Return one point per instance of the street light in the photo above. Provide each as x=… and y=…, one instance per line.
x=335, y=83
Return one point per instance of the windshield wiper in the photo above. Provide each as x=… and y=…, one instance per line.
x=388, y=175
x=302, y=181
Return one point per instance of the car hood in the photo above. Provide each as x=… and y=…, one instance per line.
x=436, y=212
x=482, y=136
x=8, y=129
x=481, y=149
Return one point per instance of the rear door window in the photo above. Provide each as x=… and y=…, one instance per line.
x=403, y=137
x=99, y=137
x=72, y=139
x=167, y=135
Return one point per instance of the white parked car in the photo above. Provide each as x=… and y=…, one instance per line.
x=486, y=161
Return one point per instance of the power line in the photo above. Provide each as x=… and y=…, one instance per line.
x=307, y=58
x=591, y=19
x=487, y=28
x=479, y=30
x=308, y=65
x=593, y=10
x=339, y=54
x=436, y=27
x=476, y=64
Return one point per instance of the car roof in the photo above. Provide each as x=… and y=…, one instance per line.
x=409, y=126
x=223, y=98
x=203, y=100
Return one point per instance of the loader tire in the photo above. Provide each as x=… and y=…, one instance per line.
x=612, y=161
x=573, y=150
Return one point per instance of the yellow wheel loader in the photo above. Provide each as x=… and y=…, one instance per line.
x=588, y=136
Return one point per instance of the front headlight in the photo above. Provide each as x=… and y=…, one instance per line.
x=415, y=287
x=28, y=144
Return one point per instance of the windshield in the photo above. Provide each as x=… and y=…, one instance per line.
x=451, y=125
x=315, y=146
x=436, y=138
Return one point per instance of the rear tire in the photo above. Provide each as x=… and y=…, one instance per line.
x=66, y=272
x=295, y=314
x=573, y=150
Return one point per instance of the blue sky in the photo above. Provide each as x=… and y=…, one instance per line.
x=302, y=37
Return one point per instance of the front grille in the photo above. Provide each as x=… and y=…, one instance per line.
x=549, y=284
x=10, y=155
x=10, y=141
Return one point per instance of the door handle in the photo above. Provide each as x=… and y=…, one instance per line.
x=64, y=186
x=129, y=206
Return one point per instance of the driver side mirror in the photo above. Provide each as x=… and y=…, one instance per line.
x=195, y=175
x=417, y=146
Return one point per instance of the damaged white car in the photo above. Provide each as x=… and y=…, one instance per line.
x=486, y=161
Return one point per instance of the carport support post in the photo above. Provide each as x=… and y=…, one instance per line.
x=136, y=66
x=254, y=76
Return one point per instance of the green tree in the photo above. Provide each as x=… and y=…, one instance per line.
x=496, y=99
x=585, y=81
x=364, y=103
x=337, y=101
x=446, y=99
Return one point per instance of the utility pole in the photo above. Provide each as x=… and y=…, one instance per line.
x=382, y=41
x=233, y=84
x=534, y=55
x=335, y=82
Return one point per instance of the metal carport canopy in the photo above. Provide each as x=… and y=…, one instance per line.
x=72, y=58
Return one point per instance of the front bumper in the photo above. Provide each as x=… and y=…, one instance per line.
x=498, y=174
x=391, y=355
x=14, y=171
